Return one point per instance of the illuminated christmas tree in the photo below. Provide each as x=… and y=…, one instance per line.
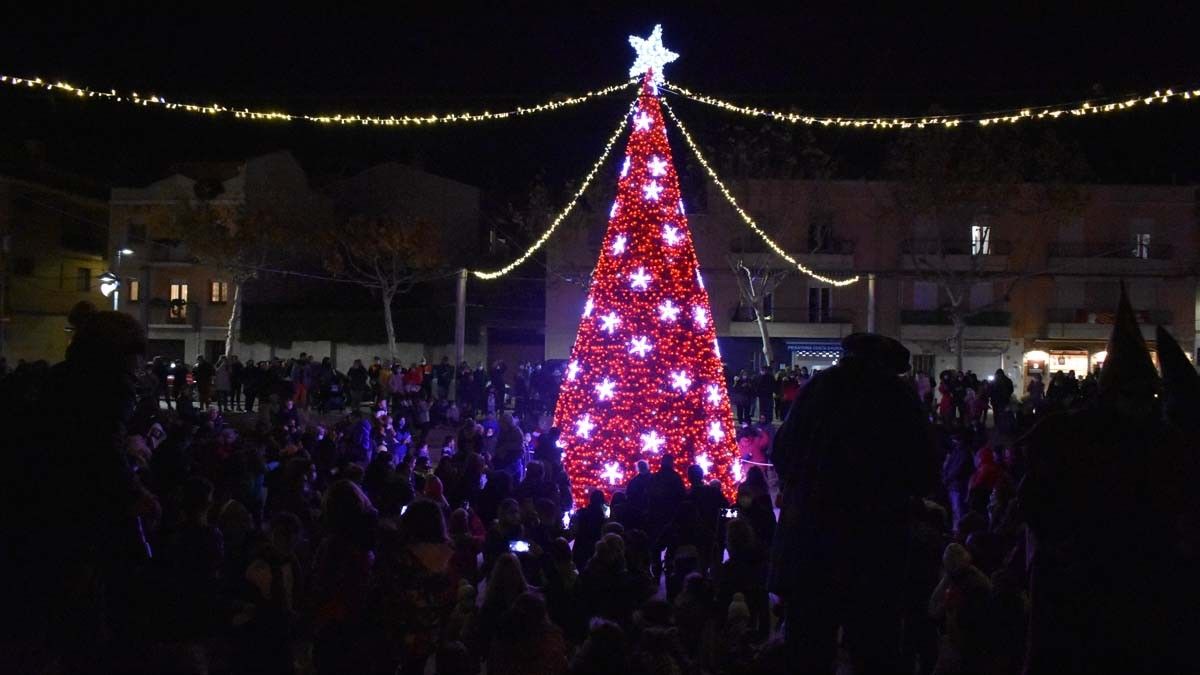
x=645, y=375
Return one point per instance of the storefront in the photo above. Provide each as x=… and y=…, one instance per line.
x=1055, y=356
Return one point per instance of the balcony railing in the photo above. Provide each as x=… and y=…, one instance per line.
x=830, y=247
x=168, y=251
x=952, y=247
x=937, y=317
x=797, y=315
x=1110, y=249
x=1106, y=317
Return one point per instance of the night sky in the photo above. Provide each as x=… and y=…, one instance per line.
x=396, y=59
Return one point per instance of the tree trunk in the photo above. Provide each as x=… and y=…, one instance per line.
x=766, y=337
x=960, y=329
x=234, y=328
x=387, y=321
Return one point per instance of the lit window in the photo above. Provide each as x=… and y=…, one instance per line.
x=179, y=298
x=218, y=292
x=1141, y=246
x=981, y=240
x=135, y=290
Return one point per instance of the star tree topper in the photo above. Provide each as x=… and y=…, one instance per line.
x=651, y=55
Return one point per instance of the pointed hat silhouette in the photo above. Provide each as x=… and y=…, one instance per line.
x=1128, y=371
x=1181, y=383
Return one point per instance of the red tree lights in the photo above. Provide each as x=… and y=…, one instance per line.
x=645, y=376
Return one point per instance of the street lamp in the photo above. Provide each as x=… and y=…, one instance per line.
x=109, y=285
x=115, y=289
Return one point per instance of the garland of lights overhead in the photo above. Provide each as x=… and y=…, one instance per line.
x=779, y=250
x=983, y=119
x=987, y=118
x=562, y=215
x=135, y=98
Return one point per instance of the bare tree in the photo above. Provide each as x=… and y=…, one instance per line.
x=754, y=285
x=238, y=242
x=384, y=255
x=950, y=179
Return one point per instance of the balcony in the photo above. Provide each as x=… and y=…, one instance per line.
x=937, y=317
x=954, y=255
x=794, y=322
x=834, y=256
x=167, y=252
x=1112, y=257
x=1092, y=324
x=992, y=326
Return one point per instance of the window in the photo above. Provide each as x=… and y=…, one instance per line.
x=218, y=292
x=820, y=232
x=925, y=295
x=982, y=295
x=83, y=279
x=981, y=239
x=1141, y=246
x=819, y=304
x=137, y=233
x=135, y=290
x=179, y=298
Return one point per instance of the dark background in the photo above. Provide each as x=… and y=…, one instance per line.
x=398, y=59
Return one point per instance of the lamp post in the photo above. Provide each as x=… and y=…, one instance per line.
x=116, y=293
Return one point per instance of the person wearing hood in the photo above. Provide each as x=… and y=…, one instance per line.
x=1103, y=501
x=854, y=451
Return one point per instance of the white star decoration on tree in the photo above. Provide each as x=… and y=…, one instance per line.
x=703, y=462
x=700, y=317
x=572, y=370
x=671, y=235
x=612, y=473
x=652, y=442
x=680, y=381
x=584, y=426
x=642, y=121
x=618, y=246
x=604, y=390
x=640, y=345
x=657, y=166
x=714, y=395
x=588, y=307
x=639, y=280
x=715, y=432
x=651, y=55
x=652, y=190
x=609, y=322
x=667, y=311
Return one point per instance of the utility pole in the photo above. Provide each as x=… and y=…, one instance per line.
x=460, y=325
x=871, y=302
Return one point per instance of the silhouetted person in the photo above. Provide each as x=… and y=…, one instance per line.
x=1103, y=502
x=853, y=452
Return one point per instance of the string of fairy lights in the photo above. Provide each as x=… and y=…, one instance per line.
x=1051, y=112
x=983, y=119
x=566, y=211
x=135, y=98
x=712, y=174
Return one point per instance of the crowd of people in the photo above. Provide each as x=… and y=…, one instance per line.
x=412, y=535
